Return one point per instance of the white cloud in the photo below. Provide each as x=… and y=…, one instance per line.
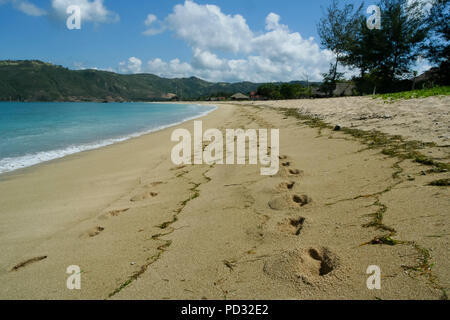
x=149, y=21
x=78, y=65
x=207, y=28
x=208, y=66
x=133, y=65
x=207, y=60
x=153, y=31
x=29, y=8
x=421, y=65
x=26, y=7
x=277, y=54
x=92, y=11
x=273, y=22
x=174, y=68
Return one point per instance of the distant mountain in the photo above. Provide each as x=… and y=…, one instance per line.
x=33, y=80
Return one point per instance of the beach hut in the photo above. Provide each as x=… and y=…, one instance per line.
x=239, y=96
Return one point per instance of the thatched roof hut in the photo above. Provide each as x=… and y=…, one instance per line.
x=239, y=96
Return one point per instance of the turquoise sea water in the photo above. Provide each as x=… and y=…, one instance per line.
x=31, y=133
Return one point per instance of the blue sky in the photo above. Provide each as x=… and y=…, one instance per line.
x=228, y=40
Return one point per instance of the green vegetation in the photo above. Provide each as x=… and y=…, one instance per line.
x=284, y=91
x=423, y=93
x=390, y=145
x=385, y=56
x=440, y=183
x=39, y=81
x=377, y=221
x=437, y=44
x=387, y=240
x=336, y=31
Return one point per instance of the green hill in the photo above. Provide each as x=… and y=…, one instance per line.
x=32, y=80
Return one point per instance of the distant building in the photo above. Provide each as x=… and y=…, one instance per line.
x=317, y=93
x=255, y=96
x=344, y=89
x=427, y=79
x=239, y=96
x=171, y=96
x=217, y=99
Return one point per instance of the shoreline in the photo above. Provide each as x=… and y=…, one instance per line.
x=142, y=228
x=71, y=150
x=47, y=195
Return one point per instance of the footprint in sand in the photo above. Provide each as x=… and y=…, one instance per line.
x=95, y=231
x=295, y=172
x=278, y=203
x=281, y=203
x=282, y=157
x=301, y=200
x=143, y=196
x=114, y=213
x=293, y=226
x=327, y=260
x=286, y=164
x=302, y=265
x=287, y=185
x=297, y=224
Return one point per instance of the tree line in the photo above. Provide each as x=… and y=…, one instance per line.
x=383, y=58
x=284, y=91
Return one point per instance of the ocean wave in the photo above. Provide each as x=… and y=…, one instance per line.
x=28, y=160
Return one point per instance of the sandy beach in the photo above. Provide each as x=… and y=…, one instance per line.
x=141, y=227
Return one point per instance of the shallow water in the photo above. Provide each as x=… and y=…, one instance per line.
x=34, y=132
